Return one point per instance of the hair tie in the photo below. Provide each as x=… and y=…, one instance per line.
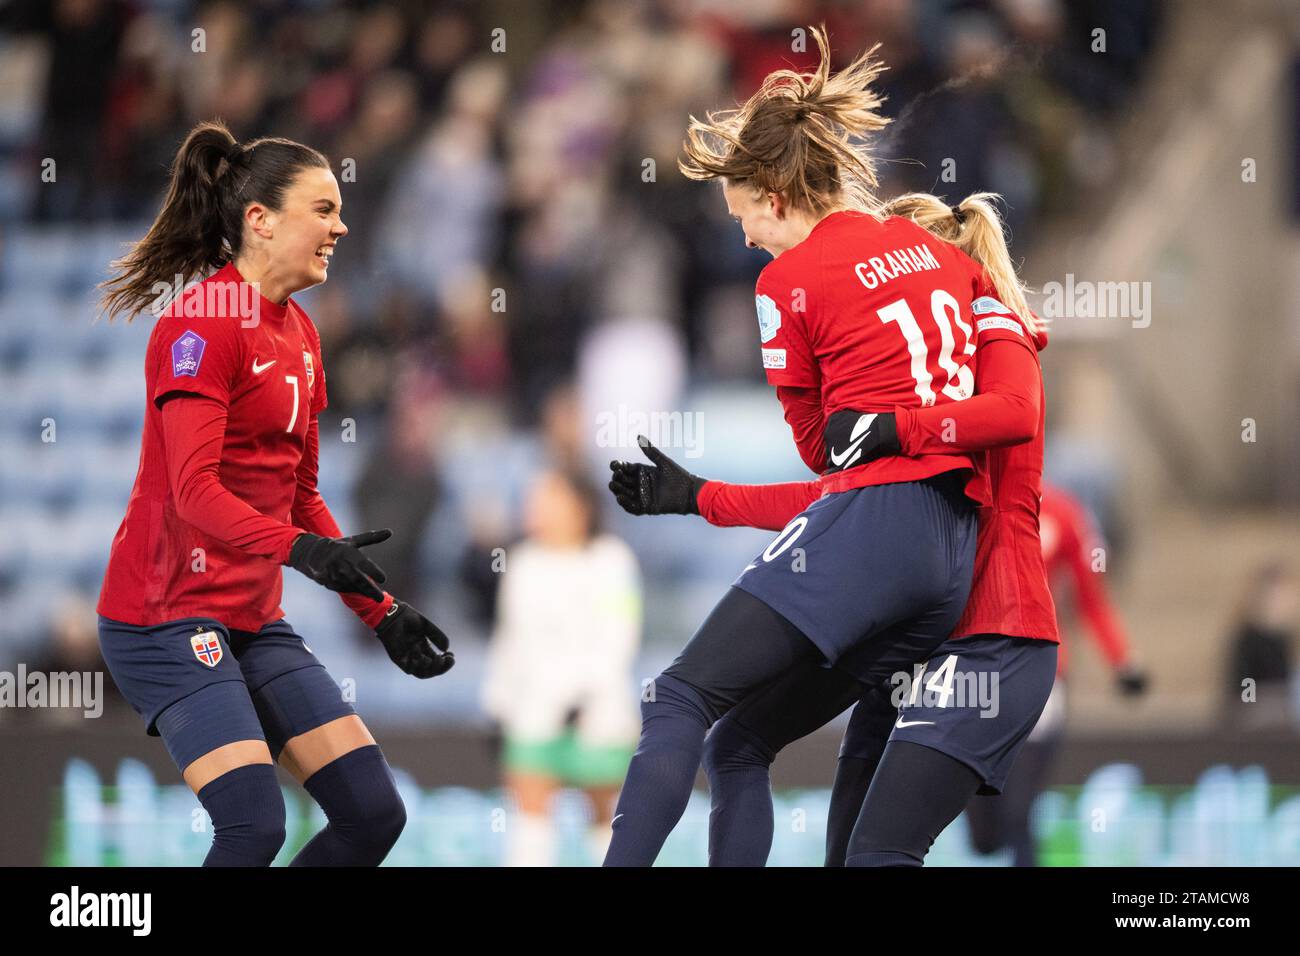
x=959, y=214
x=234, y=152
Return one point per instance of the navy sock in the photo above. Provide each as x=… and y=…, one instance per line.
x=366, y=814
x=247, y=813
x=740, y=823
x=662, y=772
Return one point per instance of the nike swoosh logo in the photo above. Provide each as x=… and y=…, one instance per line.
x=615, y=820
x=901, y=723
x=860, y=431
x=259, y=369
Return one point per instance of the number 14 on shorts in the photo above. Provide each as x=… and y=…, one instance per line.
x=938, y=690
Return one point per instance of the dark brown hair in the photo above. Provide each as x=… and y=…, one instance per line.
x=200, y=226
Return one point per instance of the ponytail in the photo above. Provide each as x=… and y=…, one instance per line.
x=795, y=136
x=974, y=227
x=200, y=225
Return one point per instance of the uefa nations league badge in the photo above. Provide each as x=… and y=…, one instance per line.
x=187, y=353
x=769, y=318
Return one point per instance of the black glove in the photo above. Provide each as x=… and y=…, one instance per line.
x=338, y=563
x=1131, y=681
x=855, y=438
x=665, y=488
x=414, y=643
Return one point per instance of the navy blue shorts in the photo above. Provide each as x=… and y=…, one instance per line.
x=265, y=685
x=977, y=700
x=875, y=577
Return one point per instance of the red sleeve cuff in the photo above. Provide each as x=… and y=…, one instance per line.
x=704, y=500
x=283, y=556
x=903, y=425
x=370, y=612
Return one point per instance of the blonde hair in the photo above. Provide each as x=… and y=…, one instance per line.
x=795, y=137
x=975, y=227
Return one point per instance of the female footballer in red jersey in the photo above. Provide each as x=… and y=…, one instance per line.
x=190, y=624
x=944, y=748
x=1068, y=539
x=941, y=742
x=859, y=313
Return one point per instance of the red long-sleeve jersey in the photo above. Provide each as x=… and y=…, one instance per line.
x=1069, y=540
x=1009, y=594
x=228, y=463
x=868, y=314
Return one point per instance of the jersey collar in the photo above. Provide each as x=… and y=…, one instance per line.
x=837, y=216
x=266, y=308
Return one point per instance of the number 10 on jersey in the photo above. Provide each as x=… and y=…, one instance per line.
x=941, y=302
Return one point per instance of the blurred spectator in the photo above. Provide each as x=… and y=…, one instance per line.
x=85, y=38
x=143, y=110
x=398, y=486
x=373, y=148
x=1261, y=651
x=71, y=646
x=628, y=369
x=440, y=217
x=559, y=674
x=563, y=435
x=473, y=346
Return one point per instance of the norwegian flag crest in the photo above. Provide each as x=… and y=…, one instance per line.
x=207, y=648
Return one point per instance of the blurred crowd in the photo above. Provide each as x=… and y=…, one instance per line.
x=523, y=252
x=531, y=148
